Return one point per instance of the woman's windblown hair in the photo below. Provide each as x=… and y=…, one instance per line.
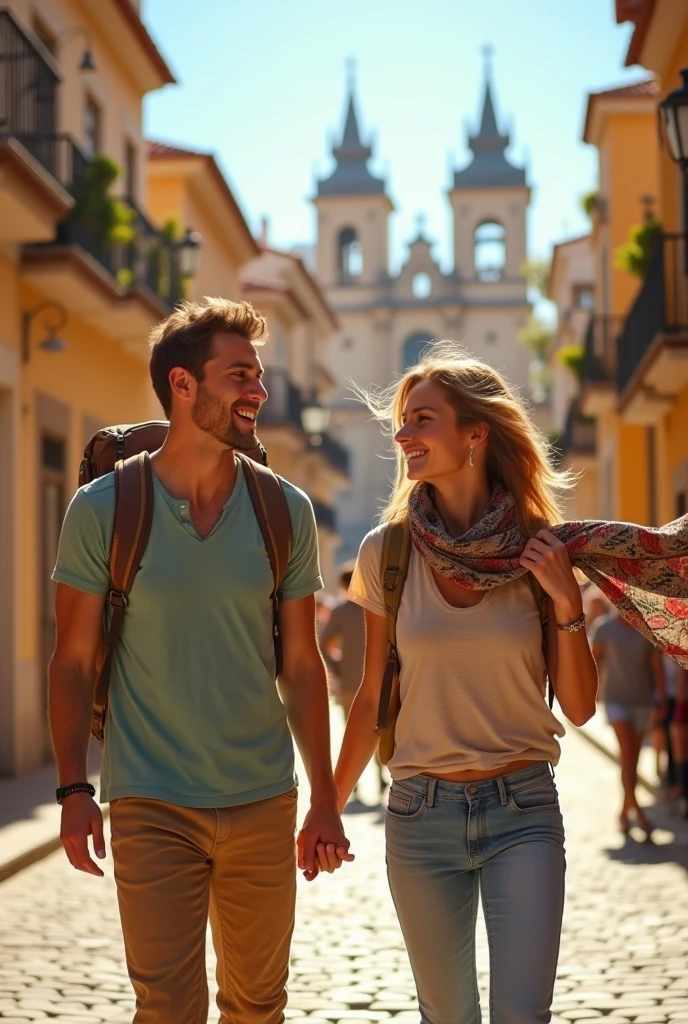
x=518, y=455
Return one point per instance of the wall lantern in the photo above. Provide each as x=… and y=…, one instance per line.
x=674, y=118
x=189, y=249
x=52, y=342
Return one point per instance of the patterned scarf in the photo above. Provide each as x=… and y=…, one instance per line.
x=643, y=571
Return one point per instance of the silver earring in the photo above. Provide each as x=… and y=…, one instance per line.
x=471, y=459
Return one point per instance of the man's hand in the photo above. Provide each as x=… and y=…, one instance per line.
x=322, y=845
x=81, y=818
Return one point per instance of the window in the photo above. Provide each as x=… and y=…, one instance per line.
x=421, y=286
x=583, y=297
x=130, y=169
x=350, y=256
x=92, y=126
x=52, y=509
x=414, y=346
x=489, y=251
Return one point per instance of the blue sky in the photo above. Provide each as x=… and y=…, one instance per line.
x=262, y=85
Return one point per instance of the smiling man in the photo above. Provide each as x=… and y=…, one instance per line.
x=198, y=762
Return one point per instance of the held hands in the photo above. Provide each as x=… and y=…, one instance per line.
x=321, y=843
x=81, y=818
x=548, y=560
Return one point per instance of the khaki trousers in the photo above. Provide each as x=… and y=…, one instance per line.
x=175, y=867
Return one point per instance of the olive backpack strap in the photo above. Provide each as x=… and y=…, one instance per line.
x=396, y=554
x=542, y=601
x=272, y=512
x=130, y=534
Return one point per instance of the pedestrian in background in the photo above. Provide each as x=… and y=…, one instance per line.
x=343, y=644
x=633, y=691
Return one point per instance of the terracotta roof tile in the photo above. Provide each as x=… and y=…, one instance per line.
x=161, y=151
x=648, y=87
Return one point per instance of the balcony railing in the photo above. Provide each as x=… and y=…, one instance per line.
x=580, y=432
x=661, y=306
x=601, y=345
x=28, y=83
x=325, y=516
x=334, y=452
x=283, y=407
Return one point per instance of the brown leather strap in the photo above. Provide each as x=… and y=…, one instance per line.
x=396, y=553
x=272, y=512
x=130, y=533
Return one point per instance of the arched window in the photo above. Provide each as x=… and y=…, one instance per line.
x=489, y=251
x=413, y=347
x=421, y=285
x=350, y=255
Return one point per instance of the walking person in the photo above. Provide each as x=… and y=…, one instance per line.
x=198, y=761
x=455, y=678
x=632, y=678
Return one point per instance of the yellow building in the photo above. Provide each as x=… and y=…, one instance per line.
x=653, y=347
x=188, y=187
x=621, y=124
x=77, y=301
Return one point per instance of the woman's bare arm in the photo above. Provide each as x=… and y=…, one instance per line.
x=360, y=739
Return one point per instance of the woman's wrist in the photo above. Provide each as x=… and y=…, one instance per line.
x=566, y=612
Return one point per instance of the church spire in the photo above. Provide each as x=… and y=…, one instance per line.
x=351, y=175
x=489, y=166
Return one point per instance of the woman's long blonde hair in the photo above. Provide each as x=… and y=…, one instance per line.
x=518, y=455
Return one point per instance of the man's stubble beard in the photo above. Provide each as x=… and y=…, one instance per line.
x=214, y=419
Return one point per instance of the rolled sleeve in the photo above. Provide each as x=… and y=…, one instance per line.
x=366, y=585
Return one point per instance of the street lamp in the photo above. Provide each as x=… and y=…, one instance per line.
x=51, y=343
x=189, y=248
x=674, y=115
x=315, y=419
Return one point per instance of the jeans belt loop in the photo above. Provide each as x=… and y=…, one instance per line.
x=432, y=786
x=501, y=786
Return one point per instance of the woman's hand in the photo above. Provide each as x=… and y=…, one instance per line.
x=548, y=560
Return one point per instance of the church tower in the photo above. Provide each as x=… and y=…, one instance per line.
x=489, y=201
x=353, y=210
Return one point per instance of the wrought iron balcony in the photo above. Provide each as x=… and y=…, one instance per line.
x=335, y=453
x=580, y=432
x=283, y=407
x=661, y=307
x=601, y=345
x=28, y=84
x=325, y=516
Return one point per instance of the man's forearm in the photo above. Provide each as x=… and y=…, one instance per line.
x=69, y=712
x=308, y=714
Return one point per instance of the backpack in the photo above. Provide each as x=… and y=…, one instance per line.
x=125, y=450
x=394, y=565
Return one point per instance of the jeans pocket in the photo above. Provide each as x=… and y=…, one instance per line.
x=540, y=797
x=406, y=805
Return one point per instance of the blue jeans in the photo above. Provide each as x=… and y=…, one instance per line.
x=446, y=840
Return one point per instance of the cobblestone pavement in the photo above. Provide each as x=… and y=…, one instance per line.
x=624, y=953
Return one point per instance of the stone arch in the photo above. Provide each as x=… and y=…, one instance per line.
x=349, y=255
x=489, y=250
x=413, y=347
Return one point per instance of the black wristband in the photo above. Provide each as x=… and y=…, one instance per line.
x=75, y=787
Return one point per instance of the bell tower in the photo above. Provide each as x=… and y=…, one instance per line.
x=353, y=209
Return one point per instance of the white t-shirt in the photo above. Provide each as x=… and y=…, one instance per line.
x=473, y=680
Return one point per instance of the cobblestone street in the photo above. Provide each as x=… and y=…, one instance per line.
x=624, y=950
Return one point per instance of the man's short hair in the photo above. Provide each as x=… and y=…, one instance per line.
x=185, y=339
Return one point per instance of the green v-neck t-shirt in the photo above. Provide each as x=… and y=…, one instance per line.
x=194, y=716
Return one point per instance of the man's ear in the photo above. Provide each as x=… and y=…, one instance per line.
x=181, y=383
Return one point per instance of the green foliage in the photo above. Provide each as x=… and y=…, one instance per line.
x=634, y=255
x=589, y=202
x=537, y=274
x=572, y=357
x=536, y=335
x=110, y=220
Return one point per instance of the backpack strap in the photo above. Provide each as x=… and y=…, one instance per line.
x=396, y=554
x=272, y=512
x=542, y=601
x=130, y=533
